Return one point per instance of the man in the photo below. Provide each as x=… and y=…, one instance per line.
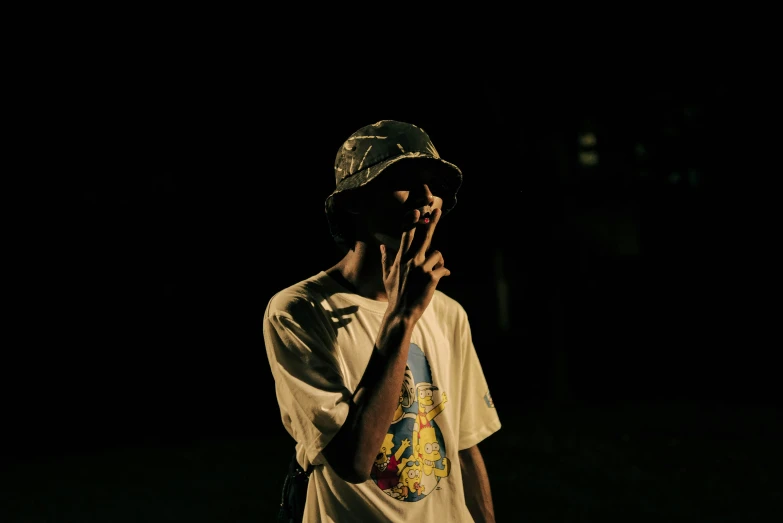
x=350, y=346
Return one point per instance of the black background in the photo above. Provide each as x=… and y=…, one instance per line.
x=631, y=364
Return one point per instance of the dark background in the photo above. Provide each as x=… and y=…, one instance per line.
x=609, y=247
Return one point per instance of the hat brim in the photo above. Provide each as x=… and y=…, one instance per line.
x=452, y=177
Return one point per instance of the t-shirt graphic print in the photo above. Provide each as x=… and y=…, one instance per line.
x=412, y=458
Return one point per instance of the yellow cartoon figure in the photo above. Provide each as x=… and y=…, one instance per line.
x=385, y=467
x=428, y=452
x=426, y=411
x=410, y=478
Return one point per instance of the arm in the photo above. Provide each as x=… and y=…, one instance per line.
x=475, y=482
x=353, y=449
x=410, y=278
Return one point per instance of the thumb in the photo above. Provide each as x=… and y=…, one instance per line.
x=384, y=261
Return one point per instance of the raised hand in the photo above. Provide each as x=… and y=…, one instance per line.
x=411, y=276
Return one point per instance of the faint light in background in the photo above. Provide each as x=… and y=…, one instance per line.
x=588, y=158
x=694, y=177
x=587, y=139
x=640, y=150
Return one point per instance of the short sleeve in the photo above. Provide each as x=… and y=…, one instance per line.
x=478, y=417
x=309, y=385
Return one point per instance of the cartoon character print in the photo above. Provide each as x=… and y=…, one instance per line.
x=384, y=469
x=412, y=471
x=433, y=465
x=426, y=411
x=407, y=396
x=410, y=478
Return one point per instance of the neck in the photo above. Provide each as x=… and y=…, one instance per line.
x=360, y=271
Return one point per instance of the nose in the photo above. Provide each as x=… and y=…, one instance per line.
x=422, y=196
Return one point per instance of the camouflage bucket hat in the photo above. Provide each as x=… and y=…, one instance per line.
x=373, y=148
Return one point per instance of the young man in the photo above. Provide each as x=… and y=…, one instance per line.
x=375, y=371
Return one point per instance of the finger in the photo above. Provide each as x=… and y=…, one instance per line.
x=410, y=219
x=429, y=229
x=434, y=261
x=409, y=230
x=384, y=262
x=439, y=273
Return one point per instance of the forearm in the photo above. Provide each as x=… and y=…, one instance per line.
x=375, y=399
x=475, y=482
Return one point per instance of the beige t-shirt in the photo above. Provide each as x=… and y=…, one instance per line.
x=319, y=337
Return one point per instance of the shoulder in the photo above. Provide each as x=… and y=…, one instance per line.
x=447, y=307
x=294, y=299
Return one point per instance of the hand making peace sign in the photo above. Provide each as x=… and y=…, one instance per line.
x=412, y=275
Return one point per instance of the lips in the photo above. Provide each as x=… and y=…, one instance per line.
x=425, y=217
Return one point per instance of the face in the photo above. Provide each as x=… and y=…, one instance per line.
x=410, y=473
x=425, y=396
x=384, y=202
x=382, y=458
x=429, y=448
